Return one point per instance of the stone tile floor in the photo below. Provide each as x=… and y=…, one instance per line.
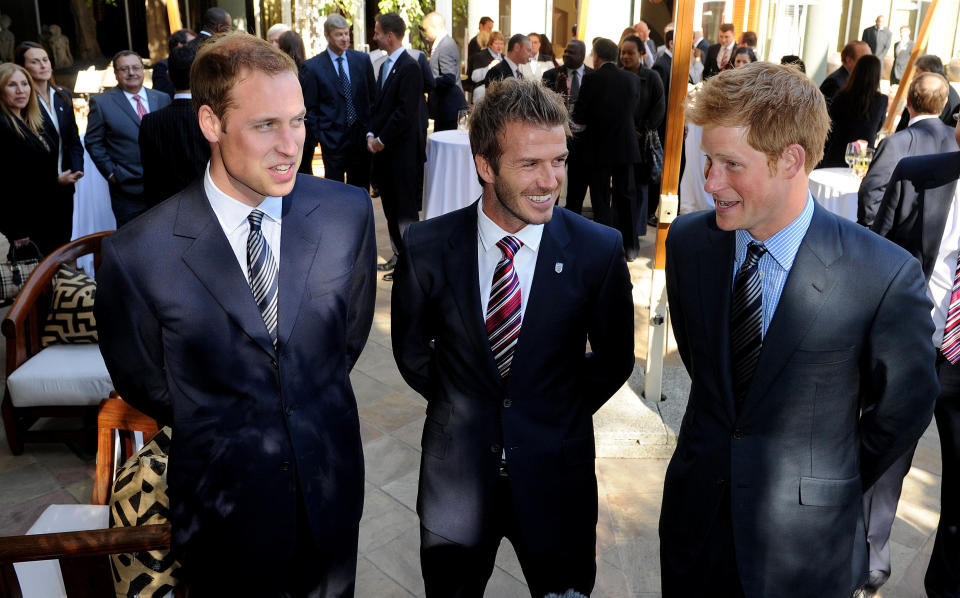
x=392, y=416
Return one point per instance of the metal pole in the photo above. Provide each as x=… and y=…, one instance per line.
x=36, y=7
x=126, y=12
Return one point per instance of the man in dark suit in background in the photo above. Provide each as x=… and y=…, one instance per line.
x=801, y=397
x=113, y=128
x=930, y=63
x=172, y=148
x=215, y=20
x=393, y=137
x=607, y=109
x=161, y=81
x=486, y=24
x=447, y=97
x=901, y=55
x=837, y=80
x=919, y=212
x=492, y=307
x=235, y=311
x=926, y=135
x=664, y=64
x=519, y=52
x=878, y=38
x=566, y=80
x=642, y=30
x=701, y=43
x=720, y=55
x=338, y=91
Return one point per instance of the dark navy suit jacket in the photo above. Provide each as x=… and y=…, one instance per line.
x=72, y=158
x=914, y=210
x=844, y=385
x=542, y=416
x=326, y=106
x=185, y=342
x=928, y=136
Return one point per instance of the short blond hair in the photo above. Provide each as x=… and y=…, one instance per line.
x=778, y=106
x=925, y=96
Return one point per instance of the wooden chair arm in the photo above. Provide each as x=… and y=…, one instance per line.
x=100, y=542
x=115, y=414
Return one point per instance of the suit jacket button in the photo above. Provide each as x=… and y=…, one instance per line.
x=291, y=409
x=495, y=448
x=507, y=403
x=738, y=434
x=285, y=466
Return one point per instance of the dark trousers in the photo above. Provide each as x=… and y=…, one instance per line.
x=622, y=215
x=398, y=193
x=306, y=158
x=126, y=206
x=452, y=570
x=350, y=163
x=314, y=571
x=578, y=178
x=943, y=572
x=57, y=222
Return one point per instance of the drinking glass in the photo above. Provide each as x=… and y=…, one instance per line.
x=851, y=154
x=463, y=119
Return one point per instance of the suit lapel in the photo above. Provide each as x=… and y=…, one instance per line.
x=298, y=249
x=121, y=99
x=462, y=270
x=212, y=260
x=391, y=78
x=715, y=276
x=330, y=66
x=807, y=287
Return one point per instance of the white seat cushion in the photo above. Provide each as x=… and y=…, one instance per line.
x=61, y=375
x=42, y=579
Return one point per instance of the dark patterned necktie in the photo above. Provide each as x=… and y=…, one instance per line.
x=262, y=270
x=503, y=309
x=746, y=321
x=574, y=85
x=345, y=90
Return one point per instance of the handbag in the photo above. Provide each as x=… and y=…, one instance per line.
x=653, y=155
x=14, y=273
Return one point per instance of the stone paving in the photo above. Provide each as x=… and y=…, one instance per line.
x=391, y=423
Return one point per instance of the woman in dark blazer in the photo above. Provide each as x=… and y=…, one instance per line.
x=651, y=109
x=28, y=165
x=857, y=111
x=60, y=128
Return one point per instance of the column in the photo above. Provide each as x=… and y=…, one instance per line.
x=819, y=40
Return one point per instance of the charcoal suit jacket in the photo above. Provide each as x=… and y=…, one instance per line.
x=541, y=416
x=915, y=206
x=185, y=342
x=845, y=383
x=173, y=150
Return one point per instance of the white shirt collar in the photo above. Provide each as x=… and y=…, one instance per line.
x=730, y=47
x=490, y=232
x=142, y=93
x=433, y=48
x=334, y=55
x=395, y=55
x=668, y=53
x=492, y=53
x=920, y=117
x=183, y=95
x=232, y=213
x=513, y=66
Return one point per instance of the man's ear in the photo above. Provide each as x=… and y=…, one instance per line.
x=792, y=160
x=484, y=168
x=210, y=124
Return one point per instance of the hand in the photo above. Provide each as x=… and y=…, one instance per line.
x=374, y=146
x=112, y=179
x=68, y=177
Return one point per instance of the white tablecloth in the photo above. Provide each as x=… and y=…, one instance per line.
x=91, y=207
x=836, y=189
x=449, y=176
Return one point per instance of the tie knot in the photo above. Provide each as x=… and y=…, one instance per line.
x=255, y=218
x=755, y=251
x=339, y=59
x=509, y=246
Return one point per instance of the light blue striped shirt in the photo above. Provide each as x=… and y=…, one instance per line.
x=776, y=262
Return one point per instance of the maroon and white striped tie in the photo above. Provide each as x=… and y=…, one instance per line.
x=141, y=109
x=951, y=330
x=503, y=309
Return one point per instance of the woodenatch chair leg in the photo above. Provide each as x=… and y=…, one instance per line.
x=10, y=425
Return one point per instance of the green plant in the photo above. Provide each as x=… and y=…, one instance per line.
x=345, y=8
x=412, y=11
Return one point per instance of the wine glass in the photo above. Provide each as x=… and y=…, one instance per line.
x=863, y=162
x=851, y=154
x=463, y=119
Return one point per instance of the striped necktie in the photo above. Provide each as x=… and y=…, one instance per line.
x=746, y=321
x=951, y=330
x=262, y=270
x=346, y=91
x=141, y=109
x=503, y=309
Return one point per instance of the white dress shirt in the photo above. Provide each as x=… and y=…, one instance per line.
x=232, y=216
x=346, y=65
x=51, y=111
x=920, y=117
x=489, y=255
x=941, y=279
x=514, y=67
x=143, y=98
x=393, y=61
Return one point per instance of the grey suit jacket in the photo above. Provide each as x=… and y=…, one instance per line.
x=447, y=98
x=843, y=386
x=929, y=136
x=113, y=131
